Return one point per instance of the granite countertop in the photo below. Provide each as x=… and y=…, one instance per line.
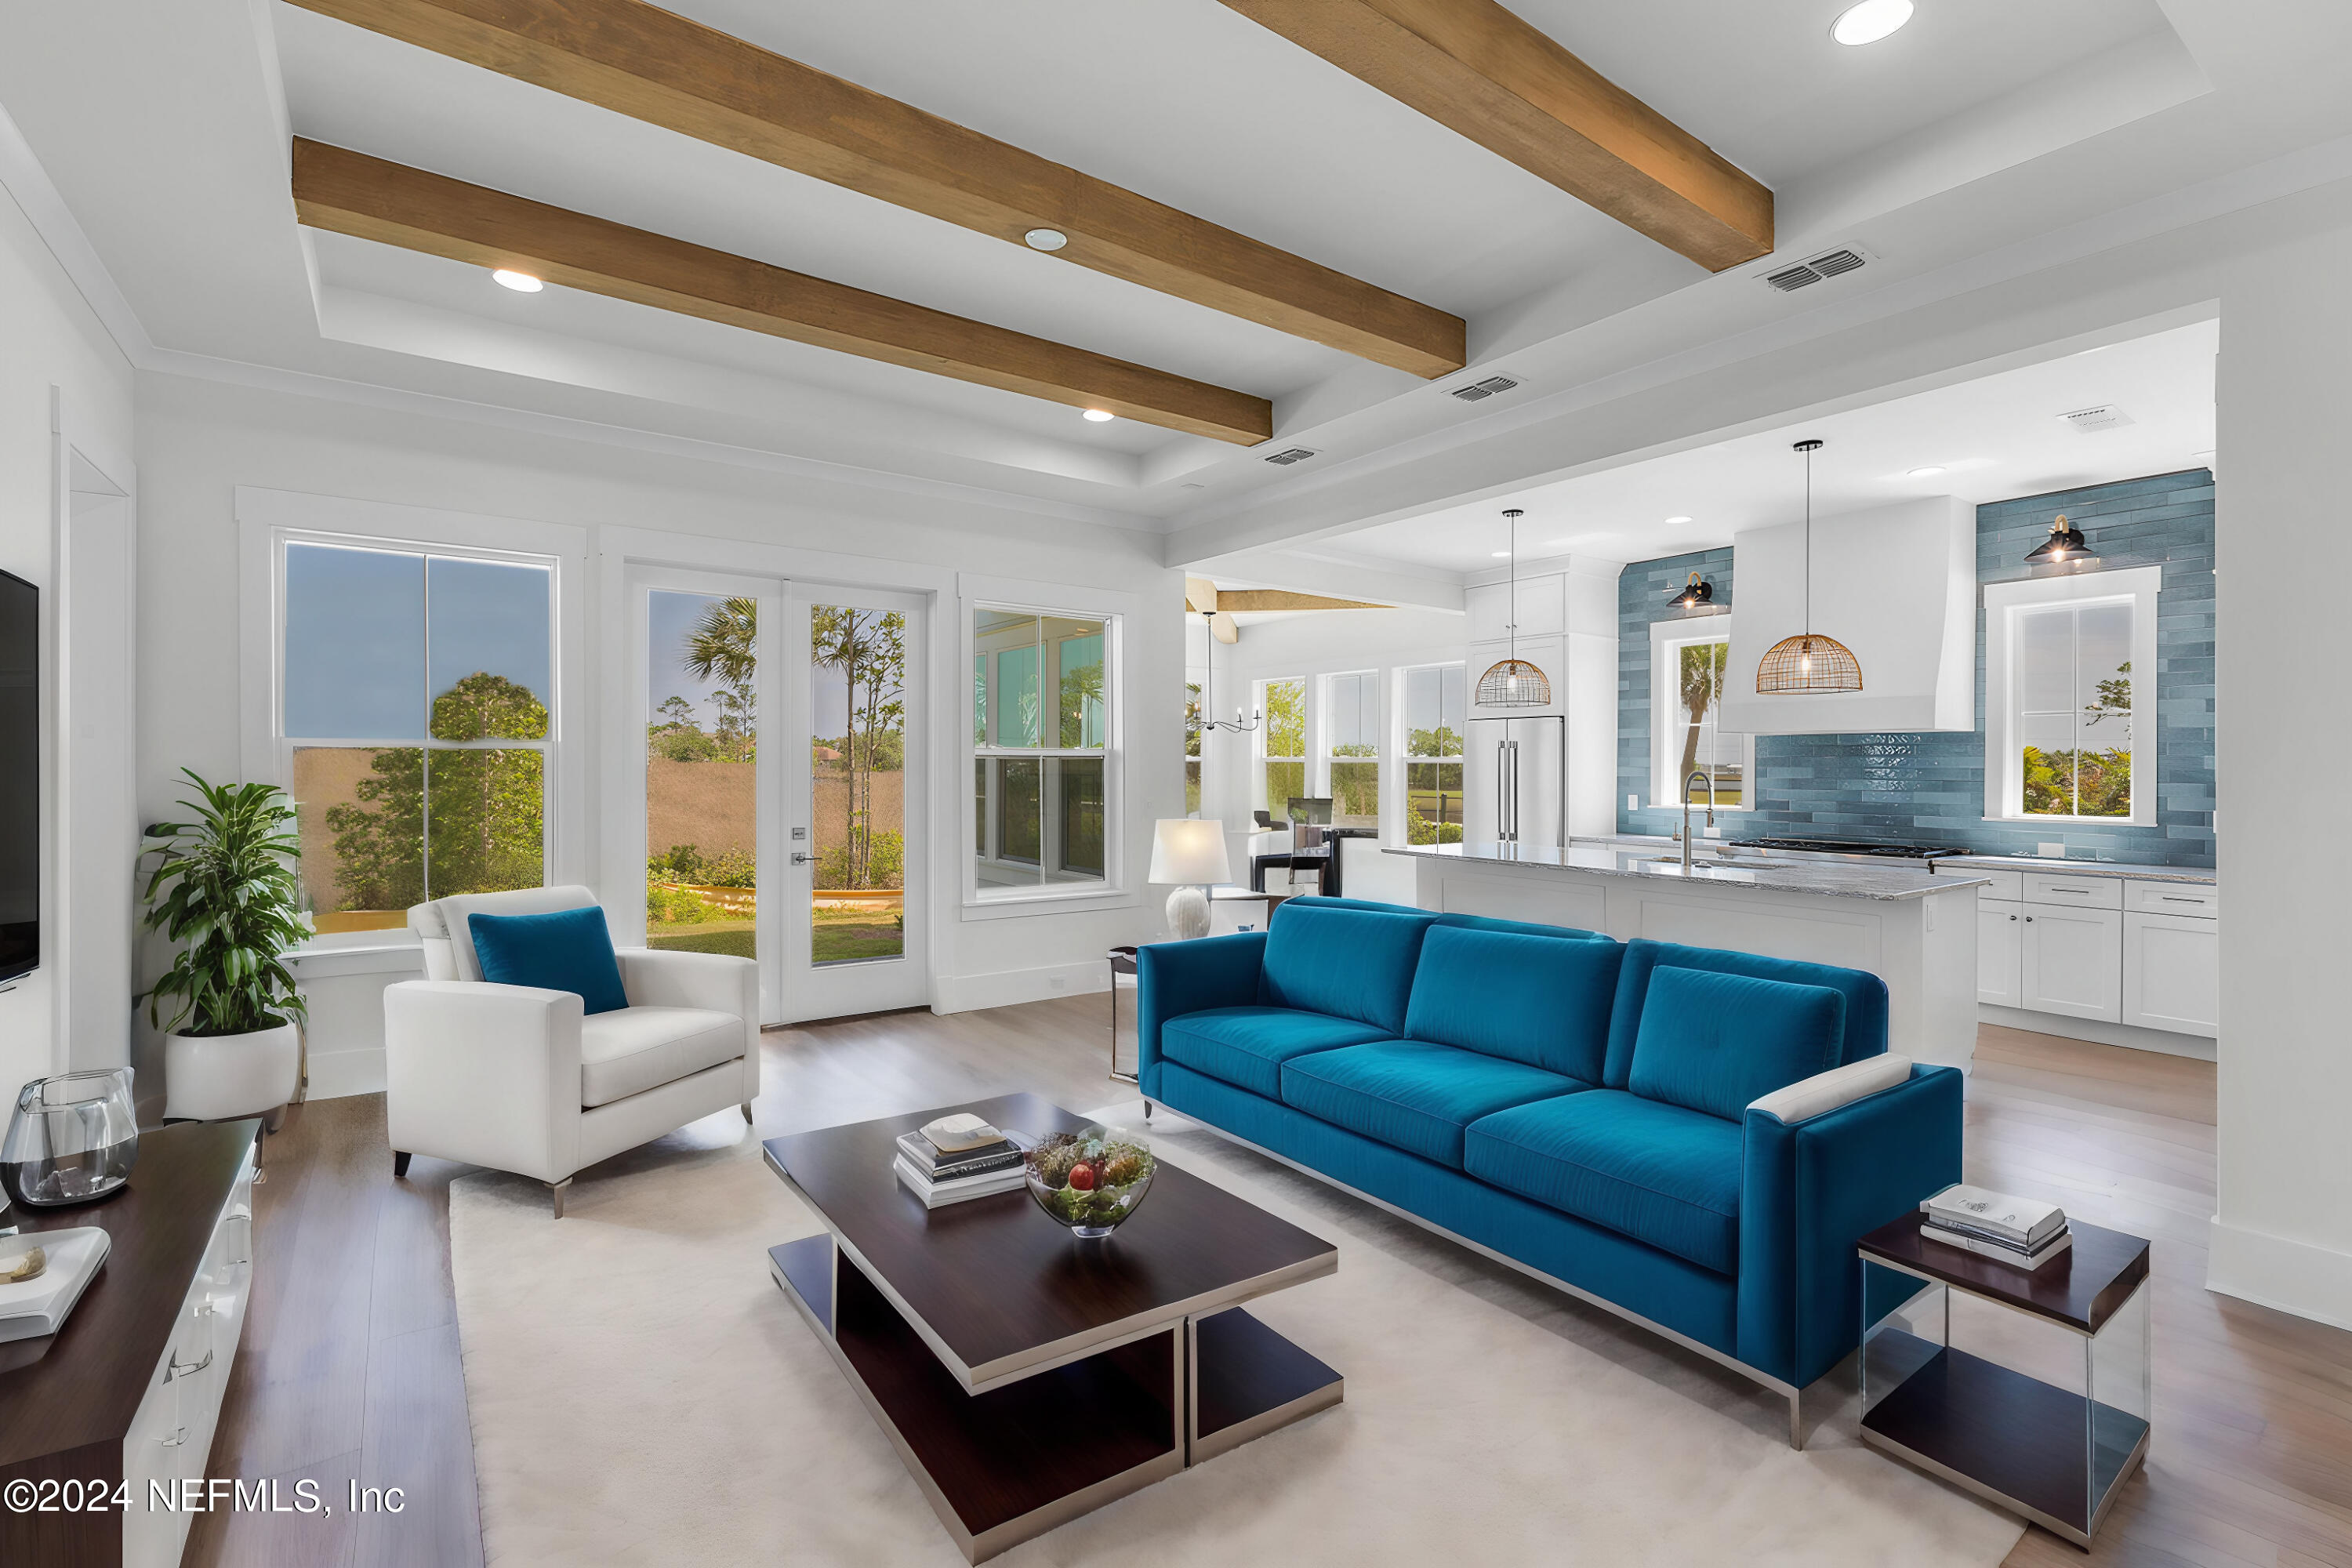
x=2050, y=864
x=1823, y=879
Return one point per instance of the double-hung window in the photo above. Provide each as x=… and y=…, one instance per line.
x=1351, y=743
x=2063, y=737
x=1042, y=711
x=1436, y=704
x=1282, y=743
x=1687, y=659
x=417, y=714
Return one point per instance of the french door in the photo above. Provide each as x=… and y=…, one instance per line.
x=782, y=795
x=854, y=933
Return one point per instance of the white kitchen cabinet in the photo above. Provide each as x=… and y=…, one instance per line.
x=2073, y=961
x=1542, y=608
x=2172, y=972
x=2001, y=952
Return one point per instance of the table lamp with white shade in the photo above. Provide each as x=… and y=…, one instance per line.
x=1190, y=851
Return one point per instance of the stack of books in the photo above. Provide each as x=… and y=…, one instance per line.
x=2022, y=1231
x=958, y=1158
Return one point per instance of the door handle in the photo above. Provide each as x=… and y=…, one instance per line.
x=801, y=857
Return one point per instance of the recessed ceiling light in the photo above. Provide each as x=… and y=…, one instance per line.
x=1930, y=472
x=1500, y=555
x=1045, y=239
x=1100, y=416
x=1678, y=520
x=521, y=282
x=1869, y=21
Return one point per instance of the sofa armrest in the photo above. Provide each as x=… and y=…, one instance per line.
x=1825, y=1091
x=486, y=1074
x=1808, y=1190
x=1173, y=978
x=718, y=981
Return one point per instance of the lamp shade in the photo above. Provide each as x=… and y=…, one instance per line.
x=1189, y=849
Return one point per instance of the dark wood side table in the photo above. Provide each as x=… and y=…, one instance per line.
x=2048, y=1415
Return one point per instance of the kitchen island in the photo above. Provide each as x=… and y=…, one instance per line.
x=1912, y=928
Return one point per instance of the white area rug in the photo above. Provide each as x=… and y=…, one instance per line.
x=641, y=1392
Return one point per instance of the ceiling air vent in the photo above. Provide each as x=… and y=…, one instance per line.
x=1479, y=390
x=1817, y=270
x=2091, y=421
x=1294, y=455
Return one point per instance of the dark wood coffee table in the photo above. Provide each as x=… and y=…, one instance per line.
x=1026, y=1376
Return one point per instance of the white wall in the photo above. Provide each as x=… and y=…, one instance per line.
x=2283, y=1234
x=56, y=360
x=199, y=440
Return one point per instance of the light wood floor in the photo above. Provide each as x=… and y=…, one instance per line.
x=350, y=1365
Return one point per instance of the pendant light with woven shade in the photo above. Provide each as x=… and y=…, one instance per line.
x=1809, y=662
x=1513, y=682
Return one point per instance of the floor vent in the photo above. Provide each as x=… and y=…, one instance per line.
x=2091, y=421
x=1479, y=390
x=1817, y=270
x=1284, y=459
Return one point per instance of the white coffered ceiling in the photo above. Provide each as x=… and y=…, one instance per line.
x=165, y=125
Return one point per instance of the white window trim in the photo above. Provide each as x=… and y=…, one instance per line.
x=2004, y=770
x=1260, y=756
x=1665, y=712
x=1399, y=758
x=1320, y=775
x=1113, y=611
x=268, y=520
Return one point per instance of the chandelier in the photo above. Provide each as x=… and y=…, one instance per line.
x=1195, y=722
x=1513, y=682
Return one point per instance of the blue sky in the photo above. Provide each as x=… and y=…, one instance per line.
x=362, y=662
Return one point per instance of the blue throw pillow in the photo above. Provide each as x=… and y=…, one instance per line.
x=569, y=949
x=1713, y=1042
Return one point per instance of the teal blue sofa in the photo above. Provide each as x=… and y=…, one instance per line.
x=1690, y=1137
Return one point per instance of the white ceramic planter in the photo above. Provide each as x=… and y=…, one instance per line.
x=208, y=1078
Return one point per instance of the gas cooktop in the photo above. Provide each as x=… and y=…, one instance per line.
x=1851, y=846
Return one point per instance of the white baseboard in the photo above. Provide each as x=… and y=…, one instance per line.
x=2102, y=1033
x=338, y=1074
x=2296, y=1277
x=968, y=993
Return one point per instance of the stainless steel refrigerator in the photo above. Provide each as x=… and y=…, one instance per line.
x=1514, y=780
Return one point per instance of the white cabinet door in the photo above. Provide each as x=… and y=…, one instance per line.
x=2001, y=952
x=1542, y=608
x=2172, y=973
x=2073, y=961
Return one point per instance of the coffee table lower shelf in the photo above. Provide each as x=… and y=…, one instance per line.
x=999, y=1466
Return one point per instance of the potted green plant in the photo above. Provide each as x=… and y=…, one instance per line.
x=225, y=891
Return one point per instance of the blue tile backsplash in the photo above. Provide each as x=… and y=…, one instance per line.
x=1893, y=788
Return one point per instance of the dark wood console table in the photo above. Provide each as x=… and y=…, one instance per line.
x=130, y=1390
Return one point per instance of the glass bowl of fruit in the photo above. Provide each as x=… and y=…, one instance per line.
x=1091, y=1180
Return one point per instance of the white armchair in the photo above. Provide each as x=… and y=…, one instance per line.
x=515, y=1078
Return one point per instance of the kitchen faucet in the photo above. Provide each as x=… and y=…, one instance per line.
x=1707, y=779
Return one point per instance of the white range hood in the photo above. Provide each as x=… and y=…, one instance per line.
x=1897, y=584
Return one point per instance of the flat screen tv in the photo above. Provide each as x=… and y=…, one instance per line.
x=20, y=776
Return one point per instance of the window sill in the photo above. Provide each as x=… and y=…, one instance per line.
x=2070, y=821
x=311, y=961
x=1014, y=907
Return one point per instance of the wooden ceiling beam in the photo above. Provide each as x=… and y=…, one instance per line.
x=638, y=60
x=351, y=193
x=1476, y=68
x=1244, y=601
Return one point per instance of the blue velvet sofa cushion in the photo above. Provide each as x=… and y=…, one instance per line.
x=1349, y=964
x=1865, y=997
x=1247, y=1045
x=567, y=949
x=1533, y=999
x=1713, y=1042
x=1654, y=1172
x=1414, y=1094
